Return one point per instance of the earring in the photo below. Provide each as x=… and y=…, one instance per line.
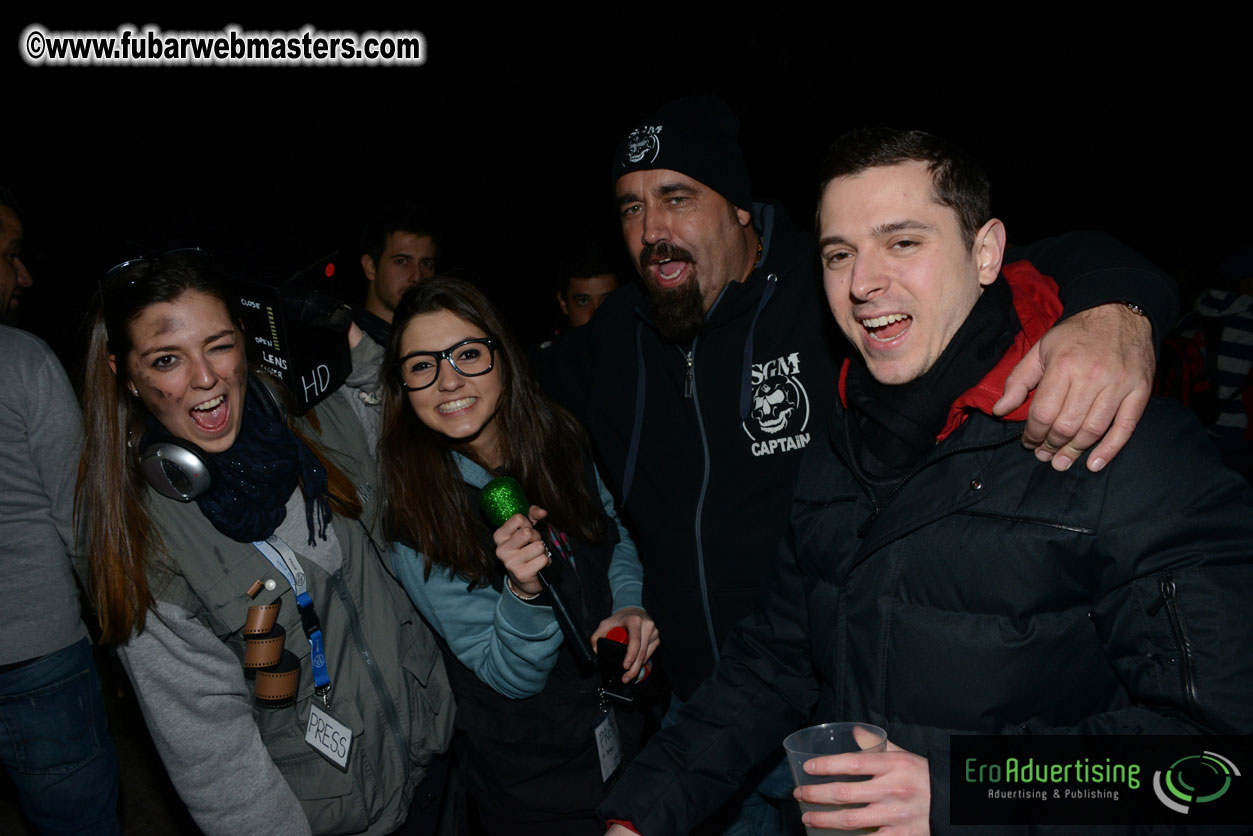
x=134, y=391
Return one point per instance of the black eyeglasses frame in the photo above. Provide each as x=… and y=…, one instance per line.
x=446, y=354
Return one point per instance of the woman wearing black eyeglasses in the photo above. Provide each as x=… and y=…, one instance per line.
x=460, y=408
x=289, y=686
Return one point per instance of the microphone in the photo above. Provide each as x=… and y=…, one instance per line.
x=501, y=499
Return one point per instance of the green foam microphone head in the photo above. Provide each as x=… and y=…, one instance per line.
x=501, y=499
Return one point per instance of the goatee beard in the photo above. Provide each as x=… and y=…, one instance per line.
x=678, y=312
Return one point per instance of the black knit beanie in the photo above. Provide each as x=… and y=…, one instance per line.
x=697, y=136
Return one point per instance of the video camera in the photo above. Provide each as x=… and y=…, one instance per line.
x=294, y=330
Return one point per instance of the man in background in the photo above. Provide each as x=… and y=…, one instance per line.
x=13, y=273
x=399, y=248
x=55, y=745
x=584, y=281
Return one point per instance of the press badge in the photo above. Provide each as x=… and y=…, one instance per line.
x=332, y=739
x=607, y=745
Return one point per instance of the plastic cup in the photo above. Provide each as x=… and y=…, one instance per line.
x=831, y=739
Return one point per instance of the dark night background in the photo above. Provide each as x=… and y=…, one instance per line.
x=1101, y=119
x=1089, y=118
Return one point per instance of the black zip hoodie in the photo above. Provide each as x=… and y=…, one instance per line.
x=700, y=443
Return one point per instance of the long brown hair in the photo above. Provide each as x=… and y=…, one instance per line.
x=425, y=504
x=111, y=491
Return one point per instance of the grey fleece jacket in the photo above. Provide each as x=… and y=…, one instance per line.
x=241, y=767
x=40, y=437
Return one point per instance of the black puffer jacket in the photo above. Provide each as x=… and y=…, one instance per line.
x=989, y=594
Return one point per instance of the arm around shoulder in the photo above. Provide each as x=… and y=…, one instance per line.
x=1094, y=370
x=1093, y=268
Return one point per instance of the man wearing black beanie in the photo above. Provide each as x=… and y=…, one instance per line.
x=704, y=184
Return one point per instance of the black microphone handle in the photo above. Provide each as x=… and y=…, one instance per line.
x=579, y=646
x=503, y=497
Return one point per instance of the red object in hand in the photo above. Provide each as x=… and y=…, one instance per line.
x=619, y=635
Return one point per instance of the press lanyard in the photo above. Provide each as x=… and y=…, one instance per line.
x=281, y=556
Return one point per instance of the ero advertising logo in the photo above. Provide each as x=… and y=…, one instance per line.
x=1194, y=779
x=1100, y=780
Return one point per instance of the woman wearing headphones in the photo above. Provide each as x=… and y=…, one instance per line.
x=288, y=684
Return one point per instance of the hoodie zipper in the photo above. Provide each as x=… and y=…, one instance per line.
x=689, y=391
x=1169, y=593
x=688, y=388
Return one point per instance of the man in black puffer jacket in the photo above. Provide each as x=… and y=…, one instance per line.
x=935, y=577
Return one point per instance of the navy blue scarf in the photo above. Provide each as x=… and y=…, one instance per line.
x=252, y=481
